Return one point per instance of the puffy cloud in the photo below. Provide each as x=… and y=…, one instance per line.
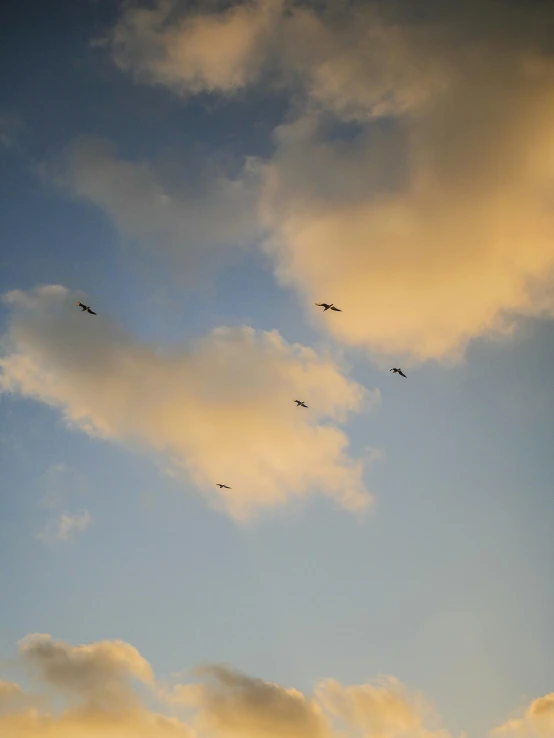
x=358, y=66
x=538, y=721
x=429, y=228
x=219, y=52
x=95, y=685
x=108, y=688
x=380, y=710
x=196, y=213
x=222, y=408
x=430, y=221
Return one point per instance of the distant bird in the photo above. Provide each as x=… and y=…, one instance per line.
x=398, y=371
x=222, y=486
x=325, y=307
x=85, y=308
x=299, y=403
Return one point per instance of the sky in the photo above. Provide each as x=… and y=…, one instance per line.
x=201, y=174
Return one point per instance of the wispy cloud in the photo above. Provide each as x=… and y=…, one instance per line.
x=220, y=409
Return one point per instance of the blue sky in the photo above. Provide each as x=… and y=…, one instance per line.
x=445, y=581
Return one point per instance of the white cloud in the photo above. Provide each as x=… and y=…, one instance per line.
x=221, y=409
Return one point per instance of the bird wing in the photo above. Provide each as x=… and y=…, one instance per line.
x=320, y=304
x=338, y=310
x=91, y=311
x=402, y=373
x=304, y=404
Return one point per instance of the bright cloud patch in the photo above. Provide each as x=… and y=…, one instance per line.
x=222, y=409
x=430, y=222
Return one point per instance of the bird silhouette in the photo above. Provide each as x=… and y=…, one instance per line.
x=299, y=403
x=398, y=371
x=85, y=308
x=222, y=486
x=325, y=307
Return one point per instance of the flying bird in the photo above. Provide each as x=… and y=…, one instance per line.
x=398, y=371
x=222, y=486
x=86, y=308
x=325, y=307
x=299, y=403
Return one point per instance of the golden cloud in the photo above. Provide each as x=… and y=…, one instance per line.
x=181, y=54
x=221, y=409
x=108, y=688
x=195, y=212
x=430, y=222
x=538, y=721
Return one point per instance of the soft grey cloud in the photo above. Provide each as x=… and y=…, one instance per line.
x=196, y=213
x=220, y=409
x=65, y=525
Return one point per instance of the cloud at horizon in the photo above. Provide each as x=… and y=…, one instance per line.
x=109, y=686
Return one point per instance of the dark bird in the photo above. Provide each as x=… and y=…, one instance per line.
x=85, y=308
x=299, y=403
x=222, y=486
x=398, y=371
x=325, y=307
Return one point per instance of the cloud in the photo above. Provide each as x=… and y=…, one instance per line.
x=430, y=228
x=380, y=710
x=60, y=483
x=221, y=409
x=180, y=53
x=95, y=685
x=108, y=688
x=413, y=187
x=232, y=705
x=64, y=526
x=361, y=66
x=538, y=721
x=196, y=212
